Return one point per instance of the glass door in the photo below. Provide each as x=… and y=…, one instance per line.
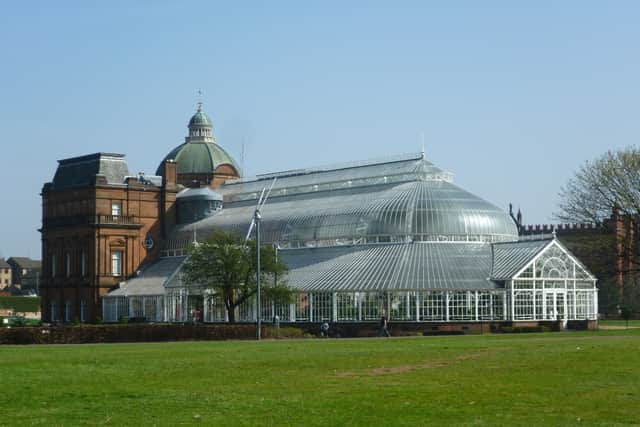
x=554, y=305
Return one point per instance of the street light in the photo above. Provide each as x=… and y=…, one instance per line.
x=257, y=217
x=255, y=221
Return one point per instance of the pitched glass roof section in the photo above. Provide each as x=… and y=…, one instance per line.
x=151, y=280
x=397, y=169
x=509, y=258
x=390, y=267
x=397, y=201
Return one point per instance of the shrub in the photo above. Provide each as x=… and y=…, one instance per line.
x=284, y=332
x=124, y=333
x=524, y=329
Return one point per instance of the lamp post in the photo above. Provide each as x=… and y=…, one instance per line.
x=257, y=217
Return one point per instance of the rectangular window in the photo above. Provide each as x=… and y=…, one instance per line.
x=67, y=312
x=83, y=308
x=83, y=263
x=116, y=263
x=53, y=265
x=68, y=264
x=116, y=209
x=54, y=309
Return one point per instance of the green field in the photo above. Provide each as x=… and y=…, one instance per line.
x=21, y=304
x=630, y=323
x=523, y=379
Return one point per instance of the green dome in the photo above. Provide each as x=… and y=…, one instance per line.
x=200, y=119
x=199, y=157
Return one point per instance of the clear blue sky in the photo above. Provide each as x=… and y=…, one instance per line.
x=511, y=96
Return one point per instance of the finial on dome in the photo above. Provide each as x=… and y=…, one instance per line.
x=199, y=100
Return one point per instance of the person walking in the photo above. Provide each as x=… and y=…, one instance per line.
x=384, y=327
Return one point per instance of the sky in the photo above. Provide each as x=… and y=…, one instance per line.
x=512, y=97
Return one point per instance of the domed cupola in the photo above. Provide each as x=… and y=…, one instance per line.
x=200, y=127
x=199, y=158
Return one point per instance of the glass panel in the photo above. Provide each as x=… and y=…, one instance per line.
x=461, y=306
x=433, y=306
x=322, y=306
x=528, y=273
x=523, y=305
x=399, y=304
x=215, y=310
x=372, y=305
x=347, y=309
x=303, y=308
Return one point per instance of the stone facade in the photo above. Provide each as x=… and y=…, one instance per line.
x=96, y=235
x=5, y=275
x=101, y=225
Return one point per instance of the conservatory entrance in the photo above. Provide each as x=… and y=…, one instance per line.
x=555, y=304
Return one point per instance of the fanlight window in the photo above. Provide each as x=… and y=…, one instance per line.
x=555, y=263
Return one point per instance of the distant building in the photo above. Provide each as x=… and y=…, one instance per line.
x=26, y=274
x=5, y=275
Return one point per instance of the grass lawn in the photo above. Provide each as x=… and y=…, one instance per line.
x=521, y=379
x=634, y=323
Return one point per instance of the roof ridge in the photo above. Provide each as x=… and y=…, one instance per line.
x=332, y=167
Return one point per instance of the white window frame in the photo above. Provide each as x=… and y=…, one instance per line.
x=116, y=263
x=116, y=209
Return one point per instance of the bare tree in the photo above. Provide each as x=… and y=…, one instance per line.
x=600, y=187
x=606, y=192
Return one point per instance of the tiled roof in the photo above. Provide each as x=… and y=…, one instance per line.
x=24, y=262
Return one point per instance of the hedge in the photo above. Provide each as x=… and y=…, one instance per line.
x=524, y=329
x=21, y=304
x=81, y=334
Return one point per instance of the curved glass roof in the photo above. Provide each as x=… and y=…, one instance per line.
x=400, y=201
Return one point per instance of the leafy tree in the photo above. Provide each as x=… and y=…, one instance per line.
x=606, y=192
x=226, y=264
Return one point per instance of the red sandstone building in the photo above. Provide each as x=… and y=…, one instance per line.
x=101, y=224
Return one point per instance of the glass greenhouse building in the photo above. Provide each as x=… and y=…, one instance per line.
x=394, y=237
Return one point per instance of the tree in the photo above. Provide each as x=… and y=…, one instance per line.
x=226, y=264
x=606, y=192
x=610, y=183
